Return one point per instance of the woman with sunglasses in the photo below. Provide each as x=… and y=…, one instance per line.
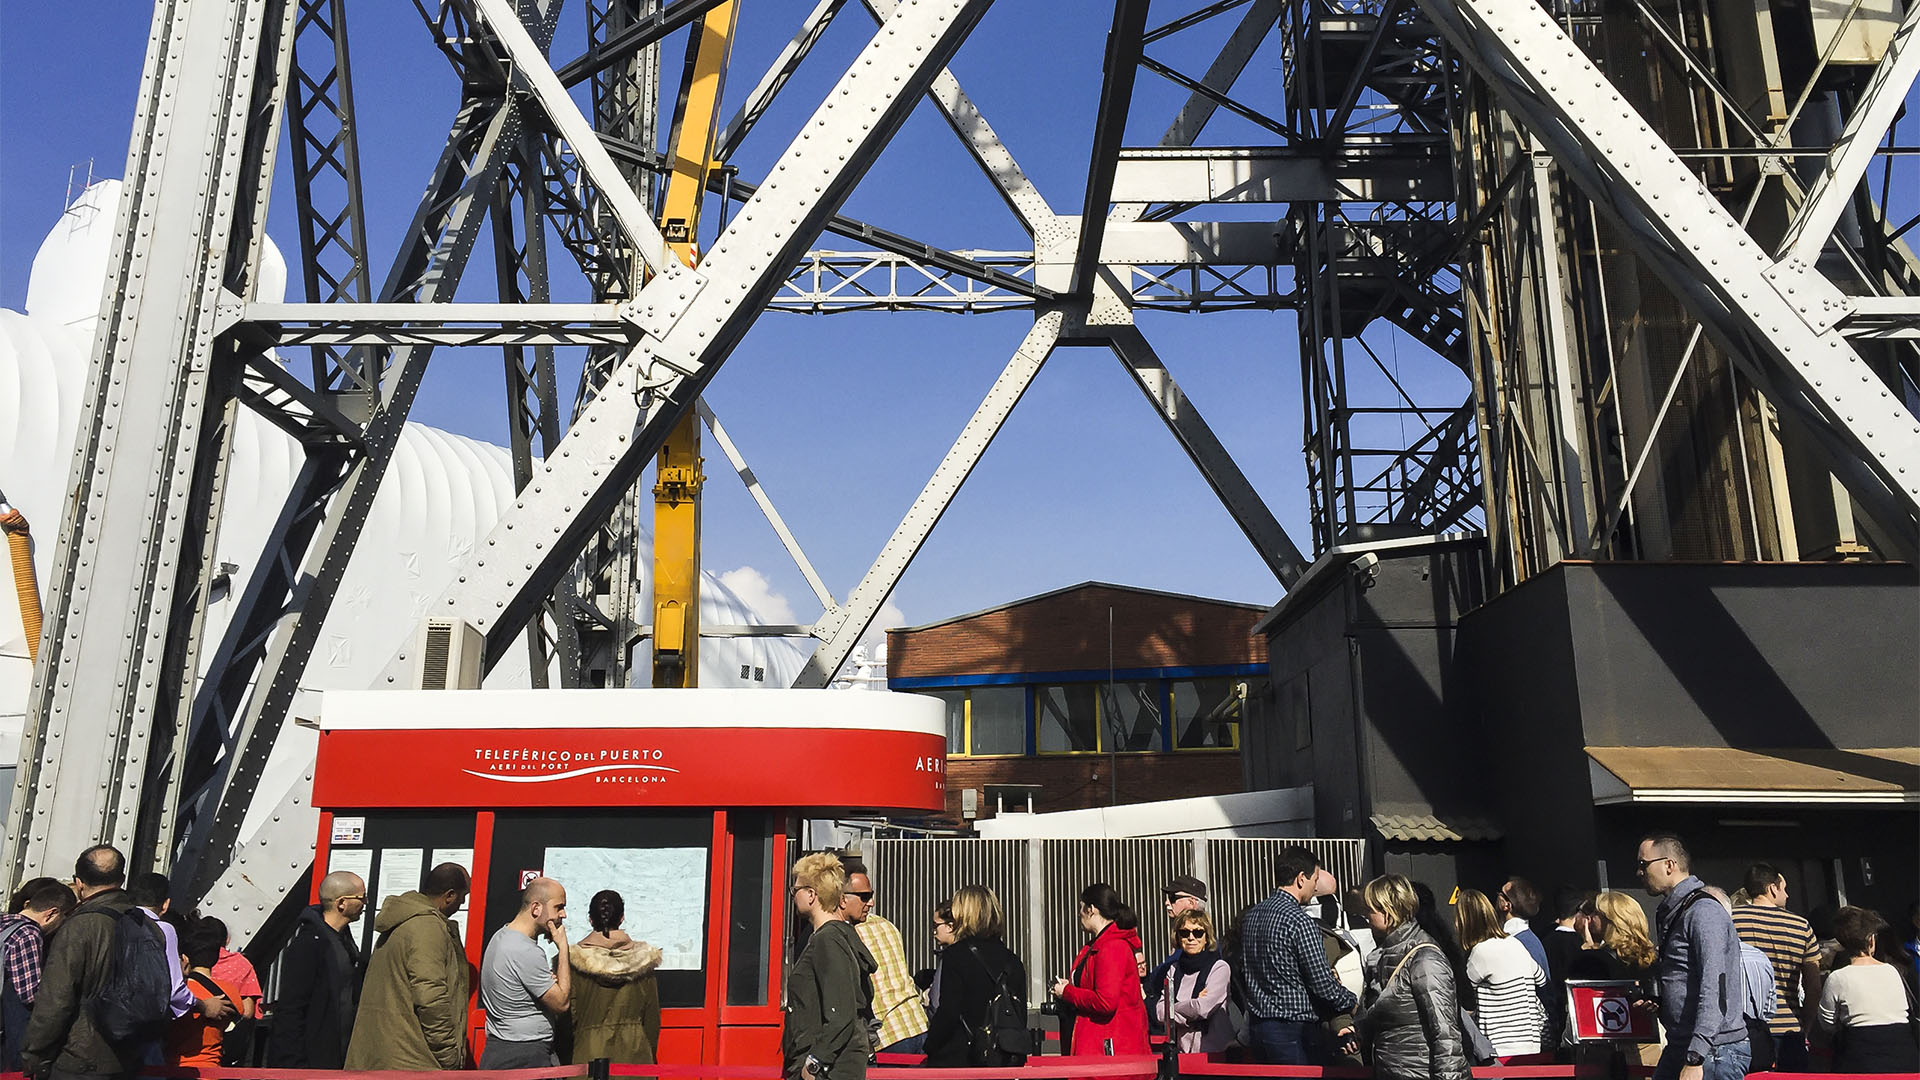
x=1194, y=1004
x=830, y=987
x=1101, y=1000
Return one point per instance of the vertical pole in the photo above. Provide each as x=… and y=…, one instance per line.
x=1036, y=957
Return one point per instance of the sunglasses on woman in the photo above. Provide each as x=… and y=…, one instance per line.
x=1201, y=934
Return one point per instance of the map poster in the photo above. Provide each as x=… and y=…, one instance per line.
x=664, y=890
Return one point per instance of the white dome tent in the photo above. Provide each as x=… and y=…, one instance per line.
x=442, y=494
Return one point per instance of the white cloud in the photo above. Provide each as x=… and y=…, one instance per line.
x=753, y=588
x=889, y=617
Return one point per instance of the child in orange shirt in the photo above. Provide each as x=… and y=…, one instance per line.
x=193, y=1040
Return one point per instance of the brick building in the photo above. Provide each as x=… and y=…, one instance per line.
x=1087, y=696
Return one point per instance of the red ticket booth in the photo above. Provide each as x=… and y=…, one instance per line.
x=683, y=800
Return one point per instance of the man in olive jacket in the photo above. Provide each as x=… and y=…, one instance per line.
x=413, y=1005
x=61, y=1038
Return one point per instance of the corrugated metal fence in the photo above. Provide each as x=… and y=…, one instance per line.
x=1039, y=882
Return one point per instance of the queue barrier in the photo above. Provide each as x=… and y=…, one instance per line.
x=905, y=1067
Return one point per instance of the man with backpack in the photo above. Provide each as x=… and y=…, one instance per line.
x=1702, y=980
x=63, y=1040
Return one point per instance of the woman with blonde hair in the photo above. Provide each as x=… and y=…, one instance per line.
x=1616, y=941
x=1193, y=1006
x=976, y=969
x=830, y=988
x=1506, y=979
x=615, y=1004
x=1410, y=1028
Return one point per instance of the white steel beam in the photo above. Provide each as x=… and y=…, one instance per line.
x=840, y=629
x=988, y=151
x=1776, y=321
x=693, y=319
x=1884, y=98
x=530, y=67
x=765, y=502
x=1374, y=169
x=776, y=76
x=126, y=558
x=1216, y=465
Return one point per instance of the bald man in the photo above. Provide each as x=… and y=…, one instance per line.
x=320, y=980
x=520, y=993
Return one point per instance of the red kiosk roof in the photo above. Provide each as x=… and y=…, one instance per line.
x=656, y=748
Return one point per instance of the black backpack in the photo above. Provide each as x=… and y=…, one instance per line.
x=135, y=1001
x=1003, y=1039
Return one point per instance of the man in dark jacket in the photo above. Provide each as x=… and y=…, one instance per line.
x=320, y=980
x=61, y=1039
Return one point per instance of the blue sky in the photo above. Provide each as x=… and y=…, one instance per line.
x=842, y=417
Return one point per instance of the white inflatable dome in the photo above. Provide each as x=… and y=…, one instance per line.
x=441, y=495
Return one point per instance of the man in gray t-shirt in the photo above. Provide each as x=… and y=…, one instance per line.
x=518, y=991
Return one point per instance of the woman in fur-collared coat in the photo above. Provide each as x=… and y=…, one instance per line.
x=616, y=999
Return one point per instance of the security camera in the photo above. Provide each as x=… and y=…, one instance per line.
x=1364, y=569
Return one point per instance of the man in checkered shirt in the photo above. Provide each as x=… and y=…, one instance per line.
x=1289, y=986
x=37, y=909
x=896, y=997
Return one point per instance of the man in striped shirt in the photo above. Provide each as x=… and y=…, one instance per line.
x=1789, y=944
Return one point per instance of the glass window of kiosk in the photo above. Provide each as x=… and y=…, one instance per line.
x=392, y=851
x=660, y=865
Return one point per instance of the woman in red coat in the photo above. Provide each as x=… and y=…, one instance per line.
x=1102, y=997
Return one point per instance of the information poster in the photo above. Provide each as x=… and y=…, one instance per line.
x=664, y=890
x=357, y=861
x=400, y=871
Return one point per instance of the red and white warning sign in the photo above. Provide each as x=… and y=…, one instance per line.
x=1605, y=1012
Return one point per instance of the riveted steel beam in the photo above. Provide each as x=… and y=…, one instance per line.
x=693, y=318
x=1777, y=321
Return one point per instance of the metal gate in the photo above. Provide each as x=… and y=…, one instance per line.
x=1039, y=883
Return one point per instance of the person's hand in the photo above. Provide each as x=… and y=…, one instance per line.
x=1349, y=1042
x=1060, y=987
x=216, y=1008
x=1692, y=1072
x=558, y=933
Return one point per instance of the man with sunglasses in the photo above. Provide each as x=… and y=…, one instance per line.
x=1702, y=983
x=320, y=980
x=1181, y=895
x=897, y=1007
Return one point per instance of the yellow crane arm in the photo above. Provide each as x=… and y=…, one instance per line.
x=679, y=478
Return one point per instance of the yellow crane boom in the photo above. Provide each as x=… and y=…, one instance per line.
x=678, y=473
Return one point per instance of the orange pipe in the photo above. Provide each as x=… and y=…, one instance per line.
x=20, y=547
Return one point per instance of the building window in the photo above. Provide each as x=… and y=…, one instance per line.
x=956, y=703
x=1130, y=714
x=1207, y=712
x=1067, y=718
x=997, y=720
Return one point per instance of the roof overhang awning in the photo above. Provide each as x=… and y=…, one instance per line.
x=1721, y=774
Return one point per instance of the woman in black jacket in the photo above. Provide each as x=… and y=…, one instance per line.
x=1410, y=1025
x=973, y=971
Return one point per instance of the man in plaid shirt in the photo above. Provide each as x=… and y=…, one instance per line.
x=896, y=997
x=1289, y=986
x=37, y=908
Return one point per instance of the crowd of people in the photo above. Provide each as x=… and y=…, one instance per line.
x=1310, y=975
x=128, y=982
x=1379, y=976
